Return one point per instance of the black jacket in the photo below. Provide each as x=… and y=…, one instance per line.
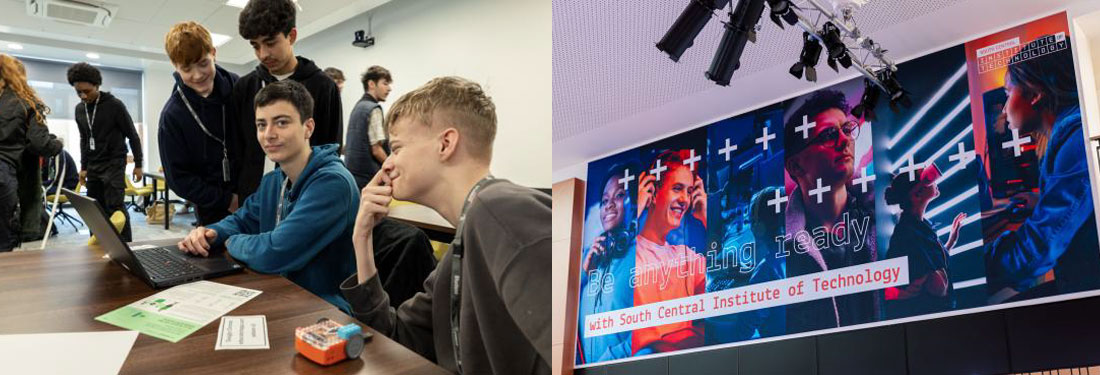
x=111, y=127
x=327, y=116
x=193, y=160
x=20, y=131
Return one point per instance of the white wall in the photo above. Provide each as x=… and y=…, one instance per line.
x=158, y=83
x=503, y=45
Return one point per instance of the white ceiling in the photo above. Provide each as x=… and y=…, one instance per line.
x=614, y=90
x=135, y=36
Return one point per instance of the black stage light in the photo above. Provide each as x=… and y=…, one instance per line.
x=783, y=9
x=830, y=34
x=811, y=54
x=866, y=107
x=739, y=30
x=898, y=95
x=683, y=32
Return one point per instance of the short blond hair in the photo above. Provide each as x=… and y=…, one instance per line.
x=470, y=110
x=187, y=43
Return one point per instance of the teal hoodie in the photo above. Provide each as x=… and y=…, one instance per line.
x=311, y=246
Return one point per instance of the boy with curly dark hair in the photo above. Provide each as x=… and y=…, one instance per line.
x=269, y=26
x=104, y=125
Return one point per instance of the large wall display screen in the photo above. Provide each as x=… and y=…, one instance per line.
x=800, y=217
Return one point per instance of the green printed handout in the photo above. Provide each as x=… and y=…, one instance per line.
x=175, y=313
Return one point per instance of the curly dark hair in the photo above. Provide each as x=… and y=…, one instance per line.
x=820, y=101
x=290, y=91
x=84, y=72
x=262, y=18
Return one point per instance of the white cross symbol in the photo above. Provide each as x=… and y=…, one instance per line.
x=765, y=138
x=820, y=190
x=911, y=168
x=626, y=179
x=728, y=149
x=1016, y=142
x=657, y=171
x=691, y=160
x=963, y=156
x=867, y=177
x=779, y=200
x=805, y=127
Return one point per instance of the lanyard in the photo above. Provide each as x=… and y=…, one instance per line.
x=91, y=136
x=225, y=151
x=456, y=266
x=279, y=207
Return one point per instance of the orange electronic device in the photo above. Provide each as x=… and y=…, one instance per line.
x=328, y=342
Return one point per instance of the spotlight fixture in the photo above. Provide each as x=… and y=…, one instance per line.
x=782, y=9
x=898, y=95
x=837, y=50
x=739, y=30
x=811, y=54
x=866, y=107
x=687, y=26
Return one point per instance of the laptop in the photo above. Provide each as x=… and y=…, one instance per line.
x=160, y=267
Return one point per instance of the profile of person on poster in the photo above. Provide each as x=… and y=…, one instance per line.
x=1060, y=233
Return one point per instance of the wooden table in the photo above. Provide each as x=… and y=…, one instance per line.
x=159, y=176
x=63, y=290
x=437, y=228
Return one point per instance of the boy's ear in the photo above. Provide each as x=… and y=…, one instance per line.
x=309, y=124
x=448, y=143
x=293, y=35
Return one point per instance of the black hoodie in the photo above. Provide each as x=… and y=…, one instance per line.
x=112, y=125
x=19, y=130
x=193, y=160
x=327, y=116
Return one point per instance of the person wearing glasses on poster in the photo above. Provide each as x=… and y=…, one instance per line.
x=1060, y=233
x=607, y=268
x=678, y=193
x=822, y=164
x=929, y=289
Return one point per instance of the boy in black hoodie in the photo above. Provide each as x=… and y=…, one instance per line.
x=194, y=148
x=269, y=25
x=104, y=125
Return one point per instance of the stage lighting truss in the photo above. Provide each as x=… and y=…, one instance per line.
x=833, y=26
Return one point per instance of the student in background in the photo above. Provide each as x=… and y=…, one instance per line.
x=299, y=223
x=367, y=146
x=22, y=128
x=194, y=123
x=104, y=125
x=442, y=137
x=269, y=26
x=337, y=76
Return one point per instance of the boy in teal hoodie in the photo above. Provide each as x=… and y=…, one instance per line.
x=299, y=222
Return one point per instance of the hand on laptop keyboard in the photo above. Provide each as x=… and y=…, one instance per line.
x=198, y=241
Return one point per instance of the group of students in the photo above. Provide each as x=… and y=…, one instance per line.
x=260, y=158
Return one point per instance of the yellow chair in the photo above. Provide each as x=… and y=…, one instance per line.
x=118, y=220
x=133, y=192
x=439, y=248
x=61, y=201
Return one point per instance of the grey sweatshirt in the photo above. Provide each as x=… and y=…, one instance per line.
x=505, y=316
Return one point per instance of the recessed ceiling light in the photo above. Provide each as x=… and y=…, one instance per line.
x=15, y=46
x=92, y=55
x=237, y=3
x=219, y=39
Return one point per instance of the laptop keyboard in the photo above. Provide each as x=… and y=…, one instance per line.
x=160, y=263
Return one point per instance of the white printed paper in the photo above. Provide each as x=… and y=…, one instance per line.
x=242, y=332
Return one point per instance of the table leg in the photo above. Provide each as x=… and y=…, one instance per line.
x=167, y=221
